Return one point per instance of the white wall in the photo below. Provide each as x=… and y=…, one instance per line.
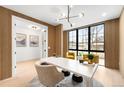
x=121, y=57
x=28, y=53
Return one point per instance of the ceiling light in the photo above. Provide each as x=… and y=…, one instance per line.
x=71, y=6
x=63, y=15
x=104, y=14
x=57, y=19
x=34, y=27
x=68, y=17
x=81, y=15
x=43, y=30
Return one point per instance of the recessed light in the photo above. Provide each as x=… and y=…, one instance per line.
x=57, y=19
x=104, y=14
x=71, y=6
x=81, y=15
x=43, y=30
x=63, y=15
x=34, y=27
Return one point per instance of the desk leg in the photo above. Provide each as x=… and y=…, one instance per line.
x=89, y=82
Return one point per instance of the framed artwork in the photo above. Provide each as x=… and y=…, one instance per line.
x=34, y=40
x=21, y=40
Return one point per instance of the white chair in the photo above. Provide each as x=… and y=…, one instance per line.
x=48, y=74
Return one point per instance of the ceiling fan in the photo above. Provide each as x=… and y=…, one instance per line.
x=68, y=17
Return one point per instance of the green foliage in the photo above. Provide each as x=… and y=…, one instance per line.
x=80, y=53
x=90, y=56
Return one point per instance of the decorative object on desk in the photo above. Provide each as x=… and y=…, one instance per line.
x=80, y=54
x=80, y=57
x=90, y=57
x=81, y=60
x=94, y=60
x=20, y=40
x=34, y=40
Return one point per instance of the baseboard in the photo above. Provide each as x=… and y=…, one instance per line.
x=29, y=60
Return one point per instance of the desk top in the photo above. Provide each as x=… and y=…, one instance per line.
x=72, y=65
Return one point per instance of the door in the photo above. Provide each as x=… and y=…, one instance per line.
x=13, y=47
x=44, y=44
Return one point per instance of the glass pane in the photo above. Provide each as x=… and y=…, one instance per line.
x=97, y=37
x=101, y=57
x=72, y=39
x=80, y=53
x=83, y=39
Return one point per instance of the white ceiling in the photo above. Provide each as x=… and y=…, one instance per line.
x=49, y=13
x=26, y=24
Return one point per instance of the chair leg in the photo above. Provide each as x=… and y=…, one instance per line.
x=78, y=79
x=66, y=73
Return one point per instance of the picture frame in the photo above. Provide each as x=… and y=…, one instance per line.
x=21, y=40
x=34, y=40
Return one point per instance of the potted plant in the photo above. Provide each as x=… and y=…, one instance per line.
x=90, y=57
x=80, y=57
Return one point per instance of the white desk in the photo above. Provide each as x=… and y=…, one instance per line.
x=73, y=66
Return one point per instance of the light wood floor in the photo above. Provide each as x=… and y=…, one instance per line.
x=26, y=72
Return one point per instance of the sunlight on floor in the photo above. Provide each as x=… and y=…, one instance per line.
x=102, y=62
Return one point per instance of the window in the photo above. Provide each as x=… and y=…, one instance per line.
x=97, y=38
x=87, y=40
x=83, y=39
x=72, y=40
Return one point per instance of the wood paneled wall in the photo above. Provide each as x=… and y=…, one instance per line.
x=0, y=49
x=59, y=40
x=65, y=43
x=6, y=41
x=5, y=38
x=112, y=43
x=51, y=40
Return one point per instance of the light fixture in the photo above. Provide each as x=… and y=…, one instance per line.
x=63, y=15
x=34, y=27
x=71, y=6
x=104, y=14
x=81, y=15
x=43, y=29
x=68, y=17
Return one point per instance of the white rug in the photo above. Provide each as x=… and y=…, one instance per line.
x=67, y=82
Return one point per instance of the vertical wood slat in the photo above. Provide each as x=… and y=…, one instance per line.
x=65, y=43
x=51, y=40
x=5, y=53
x=0, y=47
x=59, y=40
x=112, y=44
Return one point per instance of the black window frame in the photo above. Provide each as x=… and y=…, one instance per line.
x=89, y=39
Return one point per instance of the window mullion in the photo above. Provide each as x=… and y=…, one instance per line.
x=89, y=39
x=77, y=41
